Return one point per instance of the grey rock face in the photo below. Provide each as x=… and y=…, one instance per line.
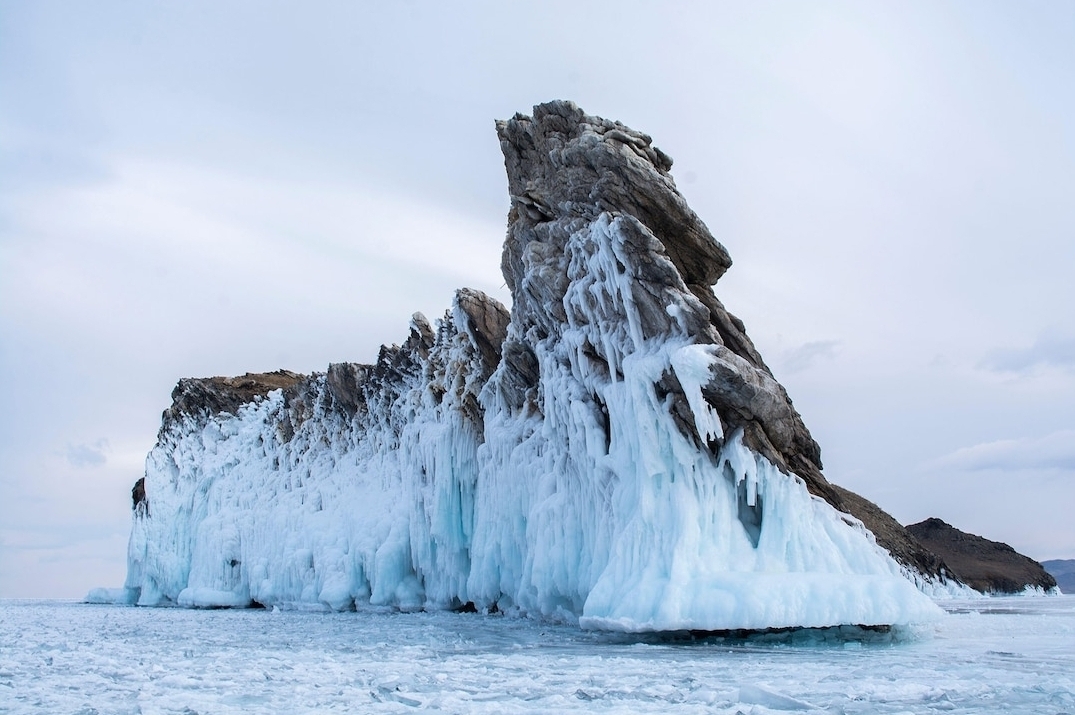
x=563, y=163
x=486, y=323
x=138, y=497
x=565, y=168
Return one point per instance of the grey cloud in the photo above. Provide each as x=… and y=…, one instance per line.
x=87, y=456
x=807, y=354
x=1049, y=350
x=1054, y=451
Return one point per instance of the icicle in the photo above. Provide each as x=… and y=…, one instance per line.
x=691, y=364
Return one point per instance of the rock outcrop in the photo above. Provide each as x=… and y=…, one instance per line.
x=564, y=169
x=984, y=565
x=612, y=449
x=214, y=395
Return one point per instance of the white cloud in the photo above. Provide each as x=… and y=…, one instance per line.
x=1049, y=350
x=86, y=456
x=807, y=354
x=270, y=273
x=1055, y=451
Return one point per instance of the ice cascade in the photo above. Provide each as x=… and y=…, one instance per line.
x=613, y=451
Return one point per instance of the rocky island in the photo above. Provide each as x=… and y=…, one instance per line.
x=612, y=450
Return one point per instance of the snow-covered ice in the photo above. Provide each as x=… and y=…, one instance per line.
x=996, y=655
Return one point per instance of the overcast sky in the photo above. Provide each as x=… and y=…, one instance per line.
x=206, y=188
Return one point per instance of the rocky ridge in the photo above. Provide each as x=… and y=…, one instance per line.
x=984, y=565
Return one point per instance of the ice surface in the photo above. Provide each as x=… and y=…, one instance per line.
x=771, y=700
x=595, y=507
x=997, y=655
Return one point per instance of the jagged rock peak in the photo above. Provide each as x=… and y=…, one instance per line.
x=566, y=169
x=486, y=322
x=564, y=163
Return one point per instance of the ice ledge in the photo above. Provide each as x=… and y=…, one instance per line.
x=762, y=601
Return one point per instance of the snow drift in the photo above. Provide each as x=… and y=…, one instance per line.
x=613, y=451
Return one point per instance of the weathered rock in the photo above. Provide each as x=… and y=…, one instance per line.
x=563, y=163
x=486, y=323
x=213, y=395
x=140, y=504
x=566, y=167
x=344, y=381
x=984, y=565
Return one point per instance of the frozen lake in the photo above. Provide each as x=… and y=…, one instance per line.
x=998, y=655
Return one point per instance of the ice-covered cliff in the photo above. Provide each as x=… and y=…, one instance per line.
x=614, y=450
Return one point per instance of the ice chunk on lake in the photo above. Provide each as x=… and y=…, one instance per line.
x=757, y=695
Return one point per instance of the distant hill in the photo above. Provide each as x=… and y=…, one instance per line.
x=1063, y=570
x=984, y=565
